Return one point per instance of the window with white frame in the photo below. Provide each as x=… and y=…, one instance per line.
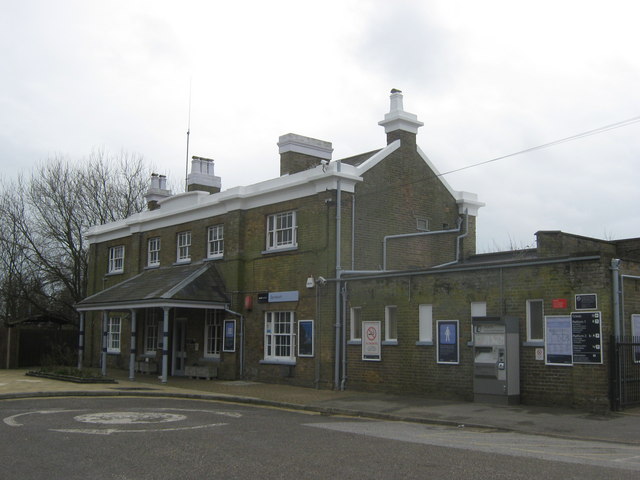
x=422, y=224
x=535, y=320
x=279, y=336
x=151, y=329
x=213, y=333
x=153, y=252
x=478, y=309
x=425, y=323
x=114, y=326
x=116, y=259
x=390, y=323
x=215, y=241
x=355, y=324
x=184, y=247
x=281, y=231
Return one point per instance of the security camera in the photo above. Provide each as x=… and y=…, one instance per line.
x=323, y=162
x=322, y=280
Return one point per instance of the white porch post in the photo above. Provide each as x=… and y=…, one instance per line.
x=105, y=319
x=134, y=344
x=81, y=341
x=165, y=345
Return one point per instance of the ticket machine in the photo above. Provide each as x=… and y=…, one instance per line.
x=496, y=365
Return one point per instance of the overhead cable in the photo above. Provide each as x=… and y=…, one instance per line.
x=588, y=133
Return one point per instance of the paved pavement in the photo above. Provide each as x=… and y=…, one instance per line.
x=623, y=427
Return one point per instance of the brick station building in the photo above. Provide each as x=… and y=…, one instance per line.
x=353, y=273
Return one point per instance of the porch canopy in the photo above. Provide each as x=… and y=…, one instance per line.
x=197, y=286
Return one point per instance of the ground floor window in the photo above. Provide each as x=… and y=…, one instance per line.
x=114, y=328
x=390, y=324
x=425, y=323
x=355, y=324
x=151, y=329
x=535, y=320
x=279, y=336
x=213, y=333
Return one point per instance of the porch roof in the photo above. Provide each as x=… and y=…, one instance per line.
x=189, y=286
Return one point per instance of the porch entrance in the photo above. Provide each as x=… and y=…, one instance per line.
x=179, y=353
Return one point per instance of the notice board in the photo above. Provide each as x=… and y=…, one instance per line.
x=586, y=332
x=557, y=340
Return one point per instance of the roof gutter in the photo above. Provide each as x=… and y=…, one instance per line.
x=413, y=273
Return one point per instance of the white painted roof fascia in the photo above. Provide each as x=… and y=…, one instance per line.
x=466, y=201
x=191, y=206
x=378, y=157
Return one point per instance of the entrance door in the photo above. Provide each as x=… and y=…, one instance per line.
x=179, y=347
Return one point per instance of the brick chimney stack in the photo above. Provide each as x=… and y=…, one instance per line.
x=298, y=153
x=157, y=191
x=398, y=123
x=201, y=177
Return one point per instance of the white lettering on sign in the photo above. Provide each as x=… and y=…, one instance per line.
x=291, y=296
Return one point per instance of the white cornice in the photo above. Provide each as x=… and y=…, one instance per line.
x=378, y=157
x=192, y=206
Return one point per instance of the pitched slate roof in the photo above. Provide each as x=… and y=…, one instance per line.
x=193, y=285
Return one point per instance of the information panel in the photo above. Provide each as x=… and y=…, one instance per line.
x=557, y=340
x=371, y=344
x=229, y=344
x=635, y=332
x=448, y=351
x=305, y=338
x=586, y=301
x=587, y=337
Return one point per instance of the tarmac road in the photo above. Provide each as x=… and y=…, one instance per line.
x=139, y=438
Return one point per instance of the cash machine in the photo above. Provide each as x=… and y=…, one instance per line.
x=496, y=360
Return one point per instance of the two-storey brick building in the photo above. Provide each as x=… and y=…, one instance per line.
x=281, y=280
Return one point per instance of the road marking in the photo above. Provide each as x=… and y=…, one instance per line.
x=140, y=416
x=11, y=421
x=110, y=431
x=126, y=418
x=613, y=455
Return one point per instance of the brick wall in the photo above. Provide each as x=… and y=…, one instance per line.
x=394, y=195
x=408, y=367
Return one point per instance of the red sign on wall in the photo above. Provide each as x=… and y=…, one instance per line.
x=559, y=303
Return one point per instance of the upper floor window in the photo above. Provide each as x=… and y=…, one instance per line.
x=184, y=247
x=215, y=241
x=116, y=259
x=422, y=224
x=281, y=230
x=153, y=252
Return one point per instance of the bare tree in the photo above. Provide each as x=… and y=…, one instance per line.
x=44, y=255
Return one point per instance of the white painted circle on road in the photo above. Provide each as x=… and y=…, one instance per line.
x=128, y=418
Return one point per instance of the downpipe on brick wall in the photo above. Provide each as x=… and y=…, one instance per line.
x=458, y=239
x=615, y=283
x=337, y=383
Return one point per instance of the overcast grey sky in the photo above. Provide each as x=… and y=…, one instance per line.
x=487, y=79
